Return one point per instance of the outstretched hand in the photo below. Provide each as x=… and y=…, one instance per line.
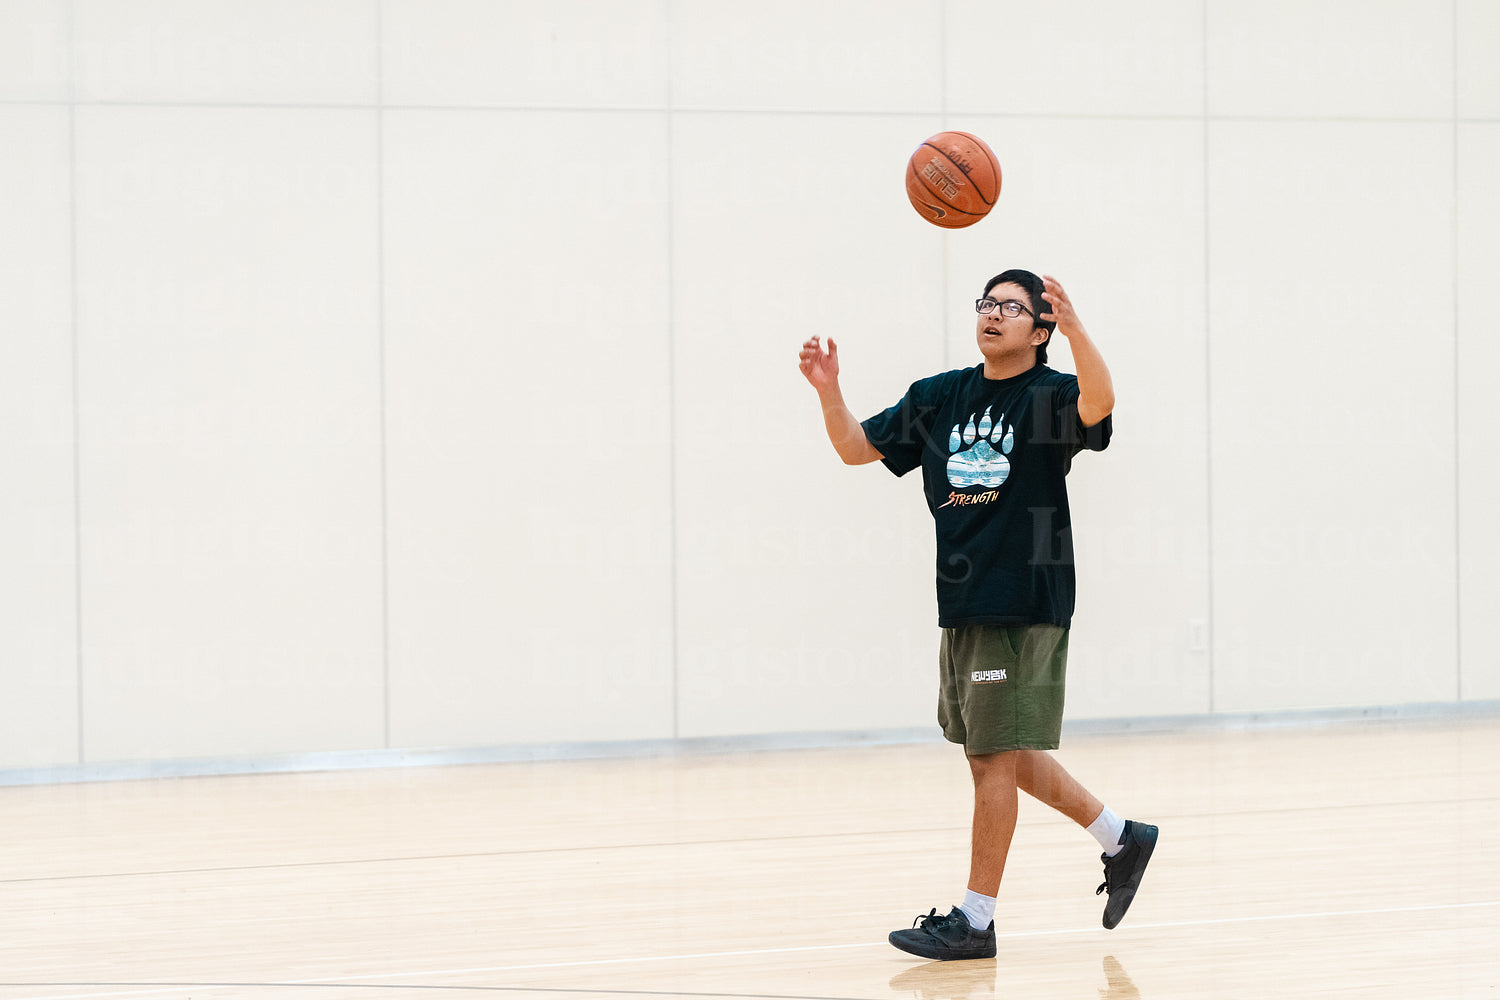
x=1096, y=391
x=1062, y=307
x=819, y=367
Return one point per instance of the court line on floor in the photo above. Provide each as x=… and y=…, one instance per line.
x=354, y=981
x=1056, y=932
x=600, y=990
x=655, y=845
x=875, y=944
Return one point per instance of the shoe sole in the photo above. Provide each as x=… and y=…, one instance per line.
x=1147, y=849
x=933, y=955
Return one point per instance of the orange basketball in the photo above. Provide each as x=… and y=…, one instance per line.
x=953, y=179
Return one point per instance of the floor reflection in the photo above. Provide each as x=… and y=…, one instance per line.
x=1120, y=987
x=975, y=980
x=968, y=980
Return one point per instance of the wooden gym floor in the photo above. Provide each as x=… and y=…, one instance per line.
x=1360, y=860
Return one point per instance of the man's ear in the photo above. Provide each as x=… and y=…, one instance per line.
x=1040, y=335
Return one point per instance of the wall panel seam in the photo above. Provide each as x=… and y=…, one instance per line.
x=1208, y=370
x=1458, y=607
x=674, y=617
x=385, y=490
x=942, y=110
x=80, y=716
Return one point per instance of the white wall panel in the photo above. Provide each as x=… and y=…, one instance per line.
x=229, y=394
x=38, y=597
x=1074, y=57
x=835, y=55
x=559, y=54
x=1478, y=361
x=271, y=51
x=1332, y=414
x=1330, y=58
x=591, y=305
x=1478, y=38
x=33, y=50
x=528, y=374
x=805, y=587
x=1115, y=211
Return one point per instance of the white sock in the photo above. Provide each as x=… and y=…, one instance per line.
x=980, y=910
x=1109, y=830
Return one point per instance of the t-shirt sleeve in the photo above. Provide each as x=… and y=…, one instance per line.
x=1069, y=425
x=900, y=432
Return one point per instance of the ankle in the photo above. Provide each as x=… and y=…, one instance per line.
x=978, y=910
x=1109, y=830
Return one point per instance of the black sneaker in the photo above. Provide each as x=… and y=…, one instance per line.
x=1122, y=873
x=945, y=938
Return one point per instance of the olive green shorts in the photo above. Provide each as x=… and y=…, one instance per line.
x=1001, y=688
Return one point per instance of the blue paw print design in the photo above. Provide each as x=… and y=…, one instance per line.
x=979, y=452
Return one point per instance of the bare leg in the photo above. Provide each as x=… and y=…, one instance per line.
x=994, y=819
x=1039, y=775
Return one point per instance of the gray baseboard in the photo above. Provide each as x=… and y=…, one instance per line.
x=346, y=760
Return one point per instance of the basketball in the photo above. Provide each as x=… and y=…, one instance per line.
x=953, y=179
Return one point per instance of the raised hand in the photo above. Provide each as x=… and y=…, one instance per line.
x=1096, y=390
x=821, y=368
x=1068, y=323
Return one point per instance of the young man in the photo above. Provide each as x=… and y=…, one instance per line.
x=995, y=443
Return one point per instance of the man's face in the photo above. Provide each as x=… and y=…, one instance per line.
x=1008, y=339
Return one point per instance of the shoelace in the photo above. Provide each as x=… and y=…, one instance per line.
x=1105, y=885
x=923, y=919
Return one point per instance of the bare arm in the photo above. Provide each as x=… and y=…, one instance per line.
x=822, y=371
x=844, y=430
x=1096, y=390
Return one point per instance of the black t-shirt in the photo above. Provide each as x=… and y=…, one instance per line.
x=994, y=457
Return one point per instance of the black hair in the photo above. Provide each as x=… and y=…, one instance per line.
x=1039, y=305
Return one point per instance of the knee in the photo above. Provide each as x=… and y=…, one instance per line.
x=1026, y=765
x=994, y=766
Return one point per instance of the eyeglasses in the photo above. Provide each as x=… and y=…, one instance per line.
x=1009, y=307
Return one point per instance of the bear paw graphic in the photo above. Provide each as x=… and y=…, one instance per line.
x=979, y=452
